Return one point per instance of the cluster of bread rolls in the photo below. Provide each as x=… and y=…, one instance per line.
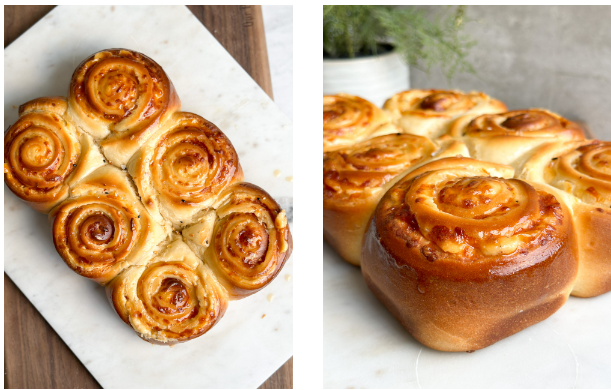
x=471, y=222
x=145, y=199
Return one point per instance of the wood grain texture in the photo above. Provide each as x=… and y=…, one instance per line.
x=19, y=18
x=35, y=356
x=239, y=28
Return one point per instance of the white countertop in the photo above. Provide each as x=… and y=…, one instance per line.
x=366, y=347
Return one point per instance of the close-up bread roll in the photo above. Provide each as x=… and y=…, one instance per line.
x=582, y=170
x=355, y=179
x=349, y=119
x=428, y=113
x=504, y=138
x=181, y=169
x=245, y=239
x=463, y=255
x=171, y=299
x=103, y=228
x=120, y=97
x=44, y=153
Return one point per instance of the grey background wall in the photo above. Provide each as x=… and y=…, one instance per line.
x=556, y=57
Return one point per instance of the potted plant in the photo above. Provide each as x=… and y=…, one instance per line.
x=367, y=48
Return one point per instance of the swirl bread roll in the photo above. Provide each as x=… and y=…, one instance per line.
x=505, y=138
x=349, y=119
x=103, y=228
x=171, y=299
x=44, y=154
x=465, y=256
x=181, y=170
x=245, y=241
x=120, y=97
x=355, y=179
x=428, y=113
x=582, y=171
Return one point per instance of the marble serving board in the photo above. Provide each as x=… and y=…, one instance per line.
x=366, y=347
x=255, y=337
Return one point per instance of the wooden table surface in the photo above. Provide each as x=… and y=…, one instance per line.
x=34, y=355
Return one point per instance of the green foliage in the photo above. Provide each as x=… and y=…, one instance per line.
x=352, y=30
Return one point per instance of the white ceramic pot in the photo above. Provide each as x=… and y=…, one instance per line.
x=375, y=78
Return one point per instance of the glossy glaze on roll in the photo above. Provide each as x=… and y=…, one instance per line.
x=505, y=138
x=173, y=298
x=464, y=255
x=356, y=177
x=44, y=154
x=181, y=170
x=349, y=119
x=428, y=113
x=120, y=97
x=103, y=228
x=582, y=171
x=245, y=240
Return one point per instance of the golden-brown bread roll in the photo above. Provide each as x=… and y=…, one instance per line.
x=355, y=179
x=504, y=138
x=102, y=227
x=181, y=169
x=465, y=256
x=349, y=119
x=44, y=154
x=429, y=112
x=245, y=239
x=582, y=170
x=120, y=97
x=123, y=110
x=171, y=299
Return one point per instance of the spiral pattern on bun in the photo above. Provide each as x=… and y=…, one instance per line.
x=182, y=169
x=44, y=154
x=171, y=299
x=428, y=113
x=582, y=170
x=348, y=119
x=248, y=241
x=461, y=234
x=461, y=211
x=40, y=151
x=354, y=180
x=585, y=172
x=372, y=163
x=536, y=123
x=121, y=97
x=509, y=137
x=102, y=227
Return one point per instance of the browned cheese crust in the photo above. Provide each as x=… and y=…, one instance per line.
x=181, y=169
x=102, y=228
x=429, y=112
x=354, y=180
x=349, y=119
x=582, y=170
x=120, y=97
x=504, y=138
x=44, y=154
x=172, y=299
x=245, y=240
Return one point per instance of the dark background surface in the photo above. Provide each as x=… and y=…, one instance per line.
x=34, y=355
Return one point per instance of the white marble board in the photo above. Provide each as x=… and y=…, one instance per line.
x=244, y=349
x=366, y=347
